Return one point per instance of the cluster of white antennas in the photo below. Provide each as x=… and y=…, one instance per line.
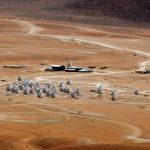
x=114, y=93
x=49, y=89
x=66, y=88
x=100, y=90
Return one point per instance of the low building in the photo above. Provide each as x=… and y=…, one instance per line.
x=78, y=69
x=84, y=70
x=146, y=72
x=73, y=69
x=49, y=69
x=70, y=70
x=143, y=72
x=55, y=68
x=58, y=67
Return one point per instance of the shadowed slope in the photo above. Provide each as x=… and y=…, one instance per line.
x=135, y=10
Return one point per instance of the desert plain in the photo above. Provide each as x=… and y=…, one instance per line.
x=91, y=122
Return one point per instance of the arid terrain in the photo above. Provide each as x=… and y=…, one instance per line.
x=91, y=122
x=111, y=35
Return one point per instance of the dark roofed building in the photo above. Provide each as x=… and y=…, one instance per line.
x=58, y=67
x=146, y=72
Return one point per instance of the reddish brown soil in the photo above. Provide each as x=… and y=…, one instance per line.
x=91, y=122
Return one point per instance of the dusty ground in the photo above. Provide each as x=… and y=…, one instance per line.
x=91, y=122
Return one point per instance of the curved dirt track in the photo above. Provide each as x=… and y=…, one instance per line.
x=132, y=131
x=135, y=131
x=134, y=136
x=32, y=29
x=29, y=27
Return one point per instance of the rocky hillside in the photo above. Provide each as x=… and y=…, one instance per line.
x=135, y=10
